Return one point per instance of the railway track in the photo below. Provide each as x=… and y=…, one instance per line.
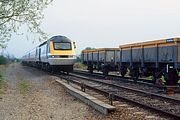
x=123, y=82
x=120, y=78
x=117, y=77
x=160, y=104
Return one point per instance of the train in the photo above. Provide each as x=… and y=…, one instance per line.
x=153, y=58
x=56, y=54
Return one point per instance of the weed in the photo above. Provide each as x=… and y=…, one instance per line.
x=24, y=88
x=150, y=77
x=20, y=77
x=128, y=72
x=80, y=66
x=2, y=84
x=23, y=85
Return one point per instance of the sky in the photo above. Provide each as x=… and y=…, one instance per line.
x=105, y=23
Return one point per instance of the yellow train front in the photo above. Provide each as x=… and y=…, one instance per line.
x=55, y=54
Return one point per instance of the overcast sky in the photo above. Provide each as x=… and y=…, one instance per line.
x=106, y=23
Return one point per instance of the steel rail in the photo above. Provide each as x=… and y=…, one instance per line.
x=126, y=79
x=127, y=88
x=117, y=97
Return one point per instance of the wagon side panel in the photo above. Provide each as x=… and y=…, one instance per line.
x=110, y=57
x=101, y=56
x=90, y=57
x=95, y=56
x=166, y=54
x=126, y=55
x=178, y=54
x=117, y=56
x=85, y=57
x=136, y=55
x=150, y=54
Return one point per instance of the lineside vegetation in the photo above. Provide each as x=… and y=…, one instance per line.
x=3, y=60
x=79, y=65
x=2, y=83
x=17, y=13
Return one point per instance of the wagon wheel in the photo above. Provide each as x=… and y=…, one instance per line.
x=123, y=73
x=105, y=72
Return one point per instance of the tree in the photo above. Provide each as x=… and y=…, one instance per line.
x=89, y=48
x=15, y=13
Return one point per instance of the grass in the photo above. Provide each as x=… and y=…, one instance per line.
x=150, y=77
x=79, y=65
x=179, y=79
x=2, y=84
x=24, y=88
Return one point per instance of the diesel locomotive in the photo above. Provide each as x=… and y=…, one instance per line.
x=155, y=58
x=55, y=54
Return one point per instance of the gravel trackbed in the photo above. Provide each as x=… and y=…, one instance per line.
x=30, y=94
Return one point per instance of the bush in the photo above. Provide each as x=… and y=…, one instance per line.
x=3, y=60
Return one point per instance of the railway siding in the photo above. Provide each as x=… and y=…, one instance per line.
x=123, y=110
x=146, y=101
x=91, y=101
x=127, y=82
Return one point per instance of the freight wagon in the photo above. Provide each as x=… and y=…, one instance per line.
x=102, y=59
x=155, y=58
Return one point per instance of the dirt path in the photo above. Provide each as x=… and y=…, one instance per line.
x=33, y=95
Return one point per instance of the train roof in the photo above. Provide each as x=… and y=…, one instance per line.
x=100, y=49
x=152, y=43
x=59, y=38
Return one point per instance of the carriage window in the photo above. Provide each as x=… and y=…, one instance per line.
x=62, y=46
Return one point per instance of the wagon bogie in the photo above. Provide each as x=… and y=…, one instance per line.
x=123, y=70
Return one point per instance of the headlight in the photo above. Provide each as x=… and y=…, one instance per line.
x=53, y=56
x=72, y=56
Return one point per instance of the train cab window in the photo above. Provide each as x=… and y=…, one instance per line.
x=62, y=46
